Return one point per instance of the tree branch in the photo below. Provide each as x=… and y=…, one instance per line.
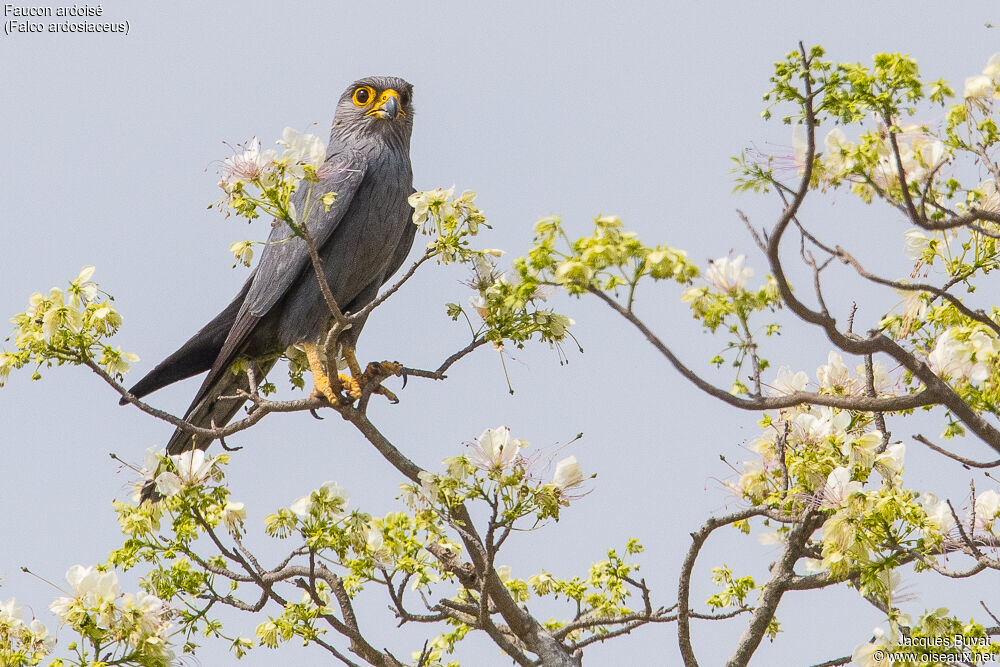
x=684, y=613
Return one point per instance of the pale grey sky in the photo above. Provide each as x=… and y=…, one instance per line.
x=570, y=108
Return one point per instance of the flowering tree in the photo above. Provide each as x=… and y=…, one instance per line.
x=826, y=483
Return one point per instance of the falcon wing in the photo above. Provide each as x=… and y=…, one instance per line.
x=286, y=255
x=281, y=263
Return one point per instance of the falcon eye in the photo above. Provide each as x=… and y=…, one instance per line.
x=363, y=95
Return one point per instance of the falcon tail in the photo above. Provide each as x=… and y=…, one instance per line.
x=219, y=404
x=195, y=356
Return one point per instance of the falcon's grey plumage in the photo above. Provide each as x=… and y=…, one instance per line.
x=362, y=240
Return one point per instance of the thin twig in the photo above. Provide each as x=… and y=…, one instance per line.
x=961, y=459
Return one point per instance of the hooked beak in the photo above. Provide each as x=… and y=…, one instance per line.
x=388, y=106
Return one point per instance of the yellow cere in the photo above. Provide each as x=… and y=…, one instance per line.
x=383, y=98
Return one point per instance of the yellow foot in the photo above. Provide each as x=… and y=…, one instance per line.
x=322, y=385
x=380, y=370
x=350, y=385
x=352, y=361
x=323, y=388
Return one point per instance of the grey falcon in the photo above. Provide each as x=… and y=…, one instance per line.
x=362, y=240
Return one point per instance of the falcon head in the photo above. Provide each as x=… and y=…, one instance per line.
x=376, y=106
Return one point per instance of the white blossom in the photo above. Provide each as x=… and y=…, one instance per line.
x=978, y=87
x=568, y=474
x=865, y=654
x=92, y=589
x=969, y=359
x=301, y=150
x=478, y=303
x=12, y=613
x=800, y=147
x=839, y=488
x=242, y=251
x=946, y=359
x=168, y=484
x=427, y=201
x=914, y=306
x=329, y=492
x=813, y=565
x=150, y=610
x=939, y=515
x=861, y=451
x=839, y=535
x=59, y=314
x=919, y=153
x=192, y=467
x=83, y=291
x=233, y=516
x=834, y=373
x=495, y=450
x=788, y=382
x=573, y=273
x=880, y=377
x=249, y=165
x=152, y=462
x=890, y=462
x=990, y=199
x=6, y=365
x=374, y=540
x=33, y=637
x=484, y=268
x=992, y=69
x=821, y=424
x=116, y=362
x=836, y=147
x=987, y=506
x=929, y=153
x=914, y=243
x=40, y=635
x=752, y=482
x=301, y=506
x=429, y=486
x=728, y=275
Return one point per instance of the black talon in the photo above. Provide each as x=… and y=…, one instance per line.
x=222, y=441
x=315, y=414
x=405, y=377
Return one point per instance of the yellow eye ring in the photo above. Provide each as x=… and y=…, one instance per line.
x=363, y=96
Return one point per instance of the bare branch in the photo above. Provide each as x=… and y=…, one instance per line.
x=961, y=459
x=860, y=403
x=836, y=662
x=782, y=575
x=684, y=582
x=870, y=390
x=439, y=374
x=901, y=172
x=975, y=315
